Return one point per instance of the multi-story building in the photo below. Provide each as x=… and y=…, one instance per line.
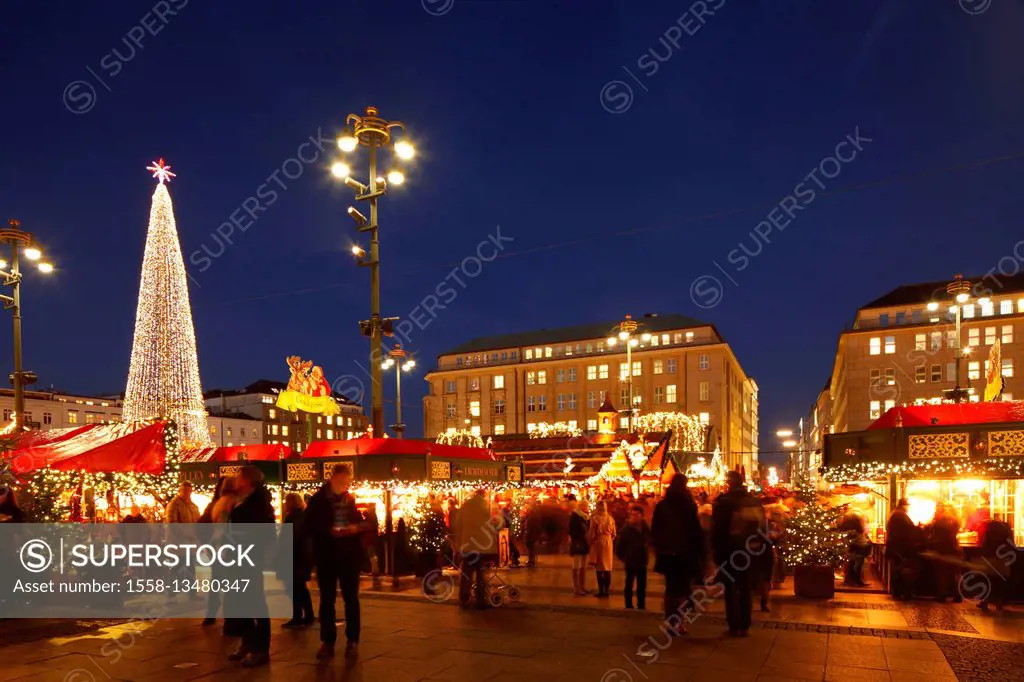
x=54, y=410
x=254, y=407
x=901, y=350
x=510, y=383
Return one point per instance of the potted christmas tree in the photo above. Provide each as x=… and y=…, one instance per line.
x=814, y=547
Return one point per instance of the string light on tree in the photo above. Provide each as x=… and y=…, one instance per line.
x=163, y=379
x=812, y=537
x=688, y=434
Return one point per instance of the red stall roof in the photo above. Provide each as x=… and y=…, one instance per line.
x=253, y=453
x=134, y=447
x=951, y=414
x=393, y=447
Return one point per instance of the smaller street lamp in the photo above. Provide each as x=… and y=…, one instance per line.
x=626, y=328
x=395, y=359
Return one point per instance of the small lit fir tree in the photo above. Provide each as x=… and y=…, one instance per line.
x=812, y=536
x=426, y=527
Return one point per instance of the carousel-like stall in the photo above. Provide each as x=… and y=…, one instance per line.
x=966, y=458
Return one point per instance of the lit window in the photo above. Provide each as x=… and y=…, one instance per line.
x=602, y=372
x=659, y=366
x=936, y=338
x=90, y=418
x=568, y=349
x=542, y=403
x=330, y=420
x=272, y=413
x=267, y=400
x=538, y=353
x=1007, y=367
x=499, y=406
x=1006, y=307
x=542, y=377
x=474, y=408
x=920, y=375
x=1020, y=305
x=531, y=378
x=659, y=395
x=499, y=429
x=449, y=410
x=591, y=399
x=677, y=337
x=529, y=354
x=664, y=339
x=671, y=369
x=890, y=376
x=889, y=404
x=990, y=335
x=348, y=422
x=273, y=429
x=72, y=416
x=890, y=345
x=330, y=434
x=572, y=423
x=559, y=376
x=592, y=372
x=968, y=310
x=623, y=371
x=474, y=383
x=1007, y=333
x=987, y=309
x=875, y=410
x=704, y=418
x=705, y=390
x=919, y=342
x=689, y=337
x=475, y=430
x=623, y=422
x=547, y=352
x=875, y=345
x=572, y=401
x=670, y=393
x=531, y=404
x=654, y=340
x=637, y=368
x=973, y=370
x=572, y=374
x=591, y=425
x=702, y=362
x=284, y=431
x=973, y=337
x=936, y=373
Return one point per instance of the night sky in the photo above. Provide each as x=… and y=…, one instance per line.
x=617, y=200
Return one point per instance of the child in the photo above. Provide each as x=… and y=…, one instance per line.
x=632, y=551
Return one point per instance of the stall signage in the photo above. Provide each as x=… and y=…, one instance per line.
x=301, y=471
x=308, y=390
x=440, y=470
x=939, y=446
x=476, y=471
x=1005, y=443
x=229, y=470
x=191, y=475
x=515, y=474
x=329, y=466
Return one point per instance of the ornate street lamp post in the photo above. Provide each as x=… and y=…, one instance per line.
x=626, y=329
x=395, y=360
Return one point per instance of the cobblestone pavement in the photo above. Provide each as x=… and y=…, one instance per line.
x=935, y=616
x=976, y=660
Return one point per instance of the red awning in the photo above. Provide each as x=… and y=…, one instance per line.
x=135, y=447
x=252, y=453
x=393, y=447
x=951, y=413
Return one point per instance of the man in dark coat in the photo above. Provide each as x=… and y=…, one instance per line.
x=902, y=541
x=737, y=529
x=679, y=546
x=335, y=525
x=631, y=548
x=254, y=506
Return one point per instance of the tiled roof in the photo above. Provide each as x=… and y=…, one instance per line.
x=652, y=322
x=924, y=292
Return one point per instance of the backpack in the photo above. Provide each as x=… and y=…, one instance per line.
x=747, y=521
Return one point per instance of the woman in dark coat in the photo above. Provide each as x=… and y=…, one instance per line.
x=679, y=545
x=302, y=562
x=579, y=548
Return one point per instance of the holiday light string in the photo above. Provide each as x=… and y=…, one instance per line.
x=460, y=437
x=546, y=430
x=998, y=467
x=688, y=434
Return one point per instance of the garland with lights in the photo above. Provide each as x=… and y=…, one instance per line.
x=546, y=430
x=688, y=434
x=993, y=467
x=812, y=535
x=460, y=437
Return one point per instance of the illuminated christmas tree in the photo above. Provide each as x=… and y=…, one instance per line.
x=812, y=535
x=163, y=380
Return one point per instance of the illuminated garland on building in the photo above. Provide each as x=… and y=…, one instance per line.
x=461, y=437
x=688, y=434
x=621, y=465
x=163, y=379
x=995, y=467
x=546, y=430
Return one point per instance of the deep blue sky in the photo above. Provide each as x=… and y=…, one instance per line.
x=504, y=99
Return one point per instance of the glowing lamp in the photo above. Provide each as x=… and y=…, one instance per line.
x=347, y=142
x=612, y=340
x=396, y=177
x=340, y=170
x=46, y=268
x=962, y=297
x=623, y=335
x=33, y=253
x=933, y=306
x=404, y=150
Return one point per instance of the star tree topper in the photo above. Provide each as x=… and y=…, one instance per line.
x=161, y=171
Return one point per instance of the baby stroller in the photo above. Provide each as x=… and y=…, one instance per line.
x=496, y=590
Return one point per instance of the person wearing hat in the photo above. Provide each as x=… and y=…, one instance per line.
x=902, y=538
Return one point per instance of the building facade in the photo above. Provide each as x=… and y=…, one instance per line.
x=508, y=384
x=902, y=351
x=253, y=413
x=47, y=410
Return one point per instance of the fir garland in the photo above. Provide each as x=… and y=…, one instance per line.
x=995, y=467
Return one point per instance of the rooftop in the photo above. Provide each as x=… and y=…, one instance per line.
x=909, y=294
x=651, y=322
